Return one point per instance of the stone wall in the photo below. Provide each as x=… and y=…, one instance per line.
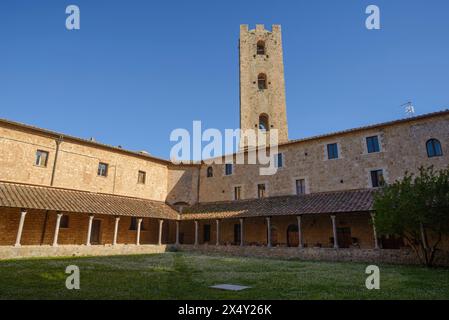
x=317, y=254
x=270, y=101
x=77, y=251
x=77, y=165
x=182, y=184
x=403, y=148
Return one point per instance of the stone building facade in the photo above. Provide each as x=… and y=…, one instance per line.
x=56, y=189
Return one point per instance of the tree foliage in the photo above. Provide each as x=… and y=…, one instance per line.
x=417, y=209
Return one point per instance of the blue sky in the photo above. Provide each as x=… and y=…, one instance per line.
x=139, y=69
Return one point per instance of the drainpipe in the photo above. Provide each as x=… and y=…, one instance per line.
x=198, y=186
x=58, y=143
x=52, y=180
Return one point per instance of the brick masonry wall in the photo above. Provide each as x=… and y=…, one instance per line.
x=316, y=229
x=39, y=229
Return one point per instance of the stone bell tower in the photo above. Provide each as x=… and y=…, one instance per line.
x=262, y=84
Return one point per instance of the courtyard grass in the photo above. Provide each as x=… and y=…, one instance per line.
x=188, y=276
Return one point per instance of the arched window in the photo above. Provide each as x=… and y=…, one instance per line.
x=263, y=122
x=262, y=81
x=210, y=172
x=260, y=47
x=434, y=148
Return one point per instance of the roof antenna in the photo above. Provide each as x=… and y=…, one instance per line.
x=409, y=109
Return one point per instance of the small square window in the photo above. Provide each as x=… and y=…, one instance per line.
x=332, y=151
x=210, y=172
x=372, y=144
x=261, y=190
x=377, y=178
x=41, y=158
x=103, y=169
x=141, y=177
x=228, y=169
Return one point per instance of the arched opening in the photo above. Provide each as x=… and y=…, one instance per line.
x=292, y=235
x=260, y=47
x=262, y=81
x=434, y=148
x=210, y=172
x=263, y=122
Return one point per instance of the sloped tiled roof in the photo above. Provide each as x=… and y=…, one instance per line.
x=328, y=202
x=16, y=195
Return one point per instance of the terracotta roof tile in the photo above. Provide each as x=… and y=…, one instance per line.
x=48, y=198
x=329, y=202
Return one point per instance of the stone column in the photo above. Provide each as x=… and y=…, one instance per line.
x=177, y=233
x=242, y=242
x=23, y=213
x=139, y=227
x=217, y=243
x=196, y=233
x=117, y=219
x=89, y=230
x=334, y=229
x=376, y=241
x=58, y=222
x=300, y=245
x=159, y=241
x=269, y=232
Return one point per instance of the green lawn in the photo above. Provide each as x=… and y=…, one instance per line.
x=188, y=276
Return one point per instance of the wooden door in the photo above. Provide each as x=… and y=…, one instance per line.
x=274, y=237
x=292, y=236
x=344, y=237
x=95, y=233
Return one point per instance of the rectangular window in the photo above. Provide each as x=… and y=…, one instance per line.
x=103, y=169
x=64, y=223
x=261, y=190
x=237, y=193
x=141, y=177
x=206, y=234
x=300, y=187
x=279, y=160
x=41, y=158
x=372, y=144
x=332, y=151
x=228, y=169
x=377, y=178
